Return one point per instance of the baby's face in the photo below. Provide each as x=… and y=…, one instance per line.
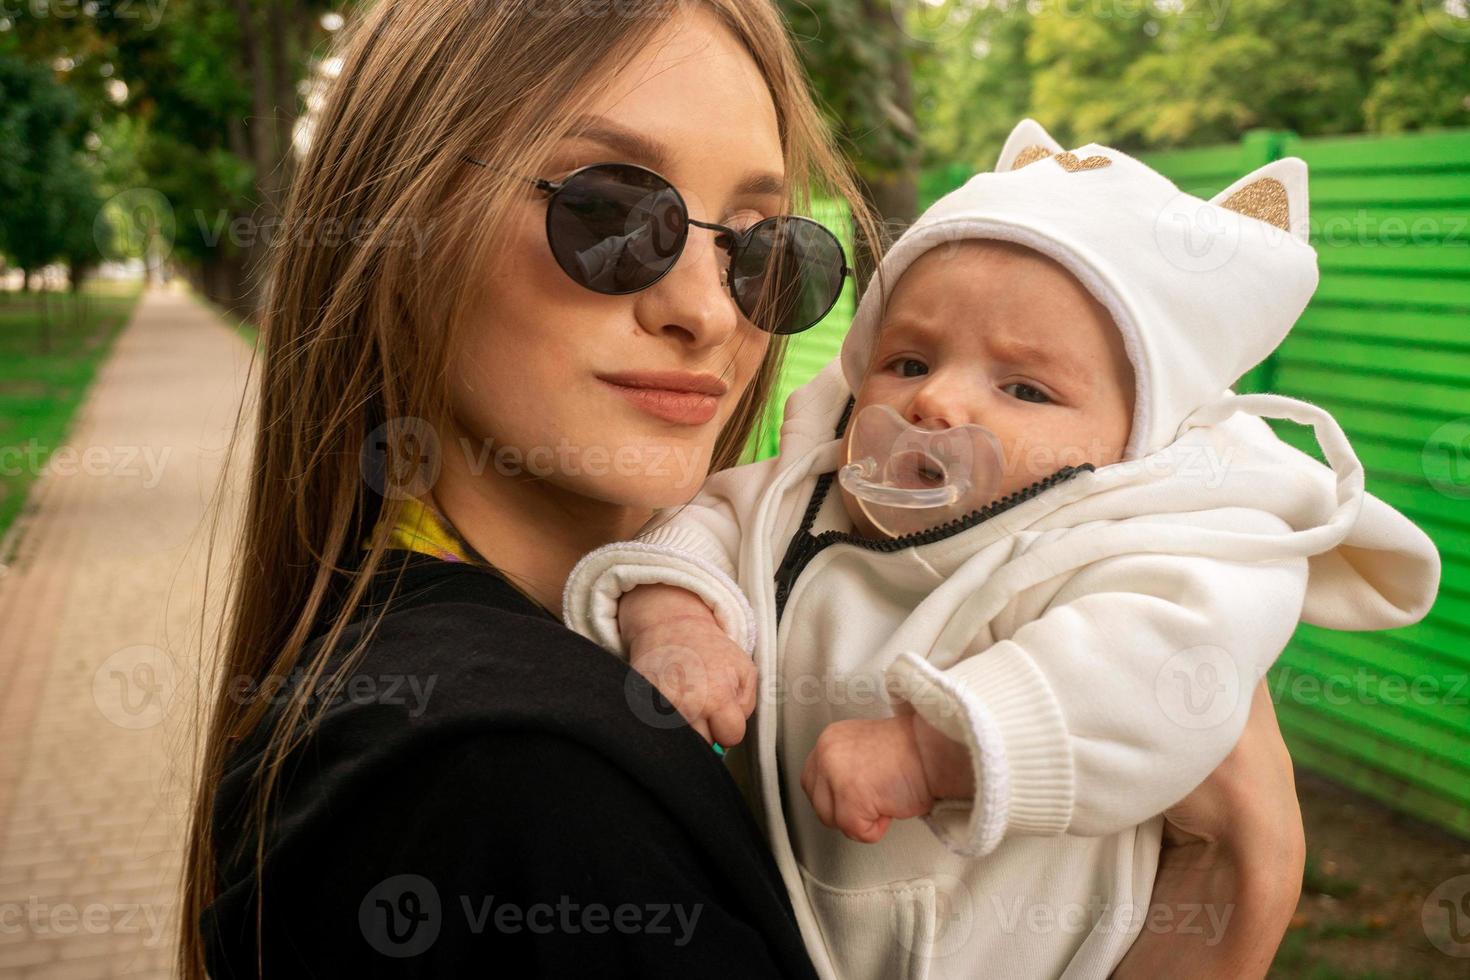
x=1001, y=336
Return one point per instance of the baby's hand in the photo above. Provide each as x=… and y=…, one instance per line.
x=674, y=640
x=865, y=773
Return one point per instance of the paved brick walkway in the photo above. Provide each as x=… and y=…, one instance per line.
x=99, y=616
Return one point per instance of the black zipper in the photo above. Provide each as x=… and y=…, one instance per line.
x=804, y=545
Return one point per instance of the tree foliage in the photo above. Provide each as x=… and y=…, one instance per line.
x=1152, y=74
x=1422, y=74
x=47, y=189
x=205, y=117
x=200, y=105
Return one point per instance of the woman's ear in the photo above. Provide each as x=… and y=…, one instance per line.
x=1275, y=194
x=1027, y=143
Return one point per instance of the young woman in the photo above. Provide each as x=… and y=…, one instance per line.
x=411, y=767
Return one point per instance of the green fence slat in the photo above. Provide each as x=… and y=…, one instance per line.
x=1445, y=150
x=1385, y=730
x=1445, y=514
x=1316, y=383
x=1391, y=654
x=1389, y=187
x=1350, y=287
x=1325, y=756
x=1389, y=225
x=1397, y=776
x=1412, y=261
x=1433, y=365
x=1362, y=749
x=1401, y=329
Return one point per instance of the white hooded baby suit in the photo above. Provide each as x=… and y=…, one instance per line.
x=1094, y=640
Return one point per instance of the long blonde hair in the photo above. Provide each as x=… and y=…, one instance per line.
x=421, y=82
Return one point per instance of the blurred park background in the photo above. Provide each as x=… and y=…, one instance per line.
x=145, y=148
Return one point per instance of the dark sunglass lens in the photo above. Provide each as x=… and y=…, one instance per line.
x=616, y=229
x=789, y=274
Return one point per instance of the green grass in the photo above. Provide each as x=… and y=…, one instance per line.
x=1296, y=960
x=44, y=374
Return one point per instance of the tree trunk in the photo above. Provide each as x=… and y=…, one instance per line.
x=280, y=33
x=150, y=260
x=896, y=201
x=45, y=321
x=892, y=186
x=265, y=59
x=222, y=280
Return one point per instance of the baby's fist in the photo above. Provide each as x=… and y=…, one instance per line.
x=864, y=773
x=675, y=642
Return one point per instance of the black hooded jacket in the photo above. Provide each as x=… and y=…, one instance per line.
x=493, y=795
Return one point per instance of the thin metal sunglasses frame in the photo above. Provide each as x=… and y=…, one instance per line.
x=731, y=240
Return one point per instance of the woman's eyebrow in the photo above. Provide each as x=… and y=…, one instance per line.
x=655, y=155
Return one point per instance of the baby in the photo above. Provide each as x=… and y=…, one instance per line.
x=1046, y=630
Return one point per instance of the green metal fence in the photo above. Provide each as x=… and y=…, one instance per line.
x=1385, y=346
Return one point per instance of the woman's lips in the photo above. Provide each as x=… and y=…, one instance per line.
x=683, y=399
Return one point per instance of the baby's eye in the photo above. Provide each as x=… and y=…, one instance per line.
x=1026, y=393
x=909, y=367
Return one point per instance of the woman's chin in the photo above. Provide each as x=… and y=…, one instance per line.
x=654, y=473
x=649, y=493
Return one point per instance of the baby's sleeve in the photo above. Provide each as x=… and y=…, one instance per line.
x=1114, y=703
x=695, y=547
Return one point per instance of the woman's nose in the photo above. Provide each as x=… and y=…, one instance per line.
x=691, y=303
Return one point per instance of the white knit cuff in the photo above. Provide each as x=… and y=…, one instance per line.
x=999, y=706
x=596, y=583
x=682, y=539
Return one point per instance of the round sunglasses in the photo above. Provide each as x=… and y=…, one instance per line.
x=616, y=228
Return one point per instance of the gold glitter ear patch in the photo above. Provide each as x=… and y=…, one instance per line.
x=1030, y=155
x=1264, y=199
x=1071, y=163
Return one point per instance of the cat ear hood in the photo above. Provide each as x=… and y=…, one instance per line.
x=1201, y=290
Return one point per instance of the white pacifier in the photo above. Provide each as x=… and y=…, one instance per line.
x=909, y=477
